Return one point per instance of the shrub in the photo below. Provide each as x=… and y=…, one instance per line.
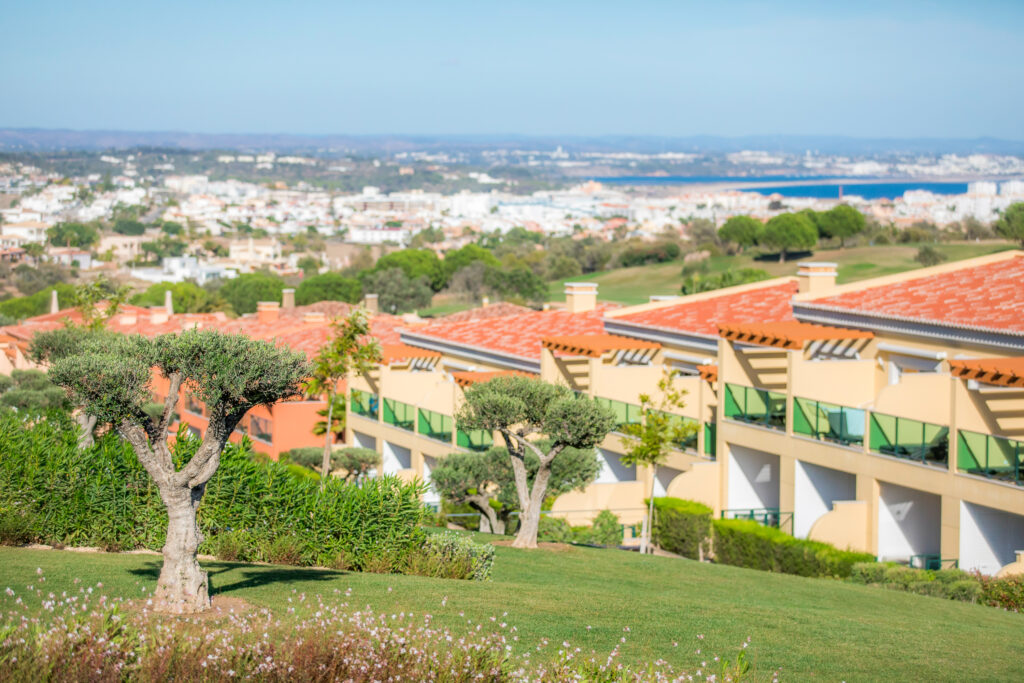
x=606, y=529
x=103, y=497
x=15, y=527
x=682, y=527
x=449, y=555
x=283, y=549
x=554, y=530
x=744, y=543
x=1007, y=593
x=965, y=590
x=230, y=546
x=869, y=572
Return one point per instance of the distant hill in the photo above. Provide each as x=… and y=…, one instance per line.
x=36, y=139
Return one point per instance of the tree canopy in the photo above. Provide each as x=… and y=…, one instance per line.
x=188, y=297
x=535, y=417
x=789, y=232
x=397, y=292
x=415, y=263
x=73, y=235
x=328, y=287
x=245, y=291
x=126, y=226
x=841, y=222
x=743, y=231
x=1011, y=224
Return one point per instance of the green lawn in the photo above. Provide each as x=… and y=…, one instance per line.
x=636, y=285
x=810, y=628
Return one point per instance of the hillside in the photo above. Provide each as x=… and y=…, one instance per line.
x=807, y=627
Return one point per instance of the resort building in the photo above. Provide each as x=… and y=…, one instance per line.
x=884, y=415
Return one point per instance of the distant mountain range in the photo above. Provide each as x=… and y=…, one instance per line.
x=34, y=139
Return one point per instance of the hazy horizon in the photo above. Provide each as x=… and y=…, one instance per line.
x=872, y=70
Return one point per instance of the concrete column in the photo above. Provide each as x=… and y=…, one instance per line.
x=949, y=533
x=869, y=492
x=787, y=483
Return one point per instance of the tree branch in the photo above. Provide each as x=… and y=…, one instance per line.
x=136, y=436
x=169, y=404
x=545, y=460
x=216, y=436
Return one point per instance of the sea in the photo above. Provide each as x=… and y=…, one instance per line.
x=805, y=186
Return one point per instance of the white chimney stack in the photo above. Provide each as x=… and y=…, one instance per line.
x=287, y=298
x=816, y=277
x=370, y=302
x=580, y=297
x=169, y=303
x=54, y=304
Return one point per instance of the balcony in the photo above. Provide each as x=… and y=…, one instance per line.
x=756, y=406
x=711, y=439
x=365, y=404
x=829, y=422
x=909, y=439
x=995, y=457
x=474, y=439
x=398, y=414
x=435, y=425
x=625, y=413
x=764, y=516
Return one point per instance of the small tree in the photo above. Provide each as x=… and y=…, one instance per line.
x=929, y=256
x=650, y=441
x=89, y=296
x=841, y=221
x=357, y=462
x=350, y=349
x=743, y=231
x=1011, y=224
x=789, y=231
x=230, y=374
x=525, y=410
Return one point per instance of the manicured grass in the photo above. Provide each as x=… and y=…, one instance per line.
x=636, y=285
x=810, y=628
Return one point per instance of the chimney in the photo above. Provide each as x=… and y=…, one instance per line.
x=54, y=305
x=485, y=301
x=169, y=302
x=816, y=277
x=580, y=297
x=314, y=317
x=287, y=298
x=267, y=311
x=370, y=302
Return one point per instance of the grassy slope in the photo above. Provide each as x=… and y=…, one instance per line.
x=808, y=627
x=635, y=285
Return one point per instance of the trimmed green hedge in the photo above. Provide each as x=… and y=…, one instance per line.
x=53, y=493
x=744, y=543
x=682, y=527
x=952, y=584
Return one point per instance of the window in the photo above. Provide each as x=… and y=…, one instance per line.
x=262, y=429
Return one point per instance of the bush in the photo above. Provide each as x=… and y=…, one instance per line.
x=15, y=527
x=952, y=584
x=744, y=543
x=230, y=546
x=606, y=529
x=103, y=497
x=554, y=530
x=682, y=527
x=449, y=555
x=1007, y=593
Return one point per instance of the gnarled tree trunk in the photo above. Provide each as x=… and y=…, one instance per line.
x=530, y=512
x=87, y=423
x=489, y=515
x=183, y=587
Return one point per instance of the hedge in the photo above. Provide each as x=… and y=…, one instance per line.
x=952, y=584
x=53, y=493
x=682, y=527
x=744, y=543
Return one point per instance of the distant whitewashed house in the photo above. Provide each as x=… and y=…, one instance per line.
x=182, y=268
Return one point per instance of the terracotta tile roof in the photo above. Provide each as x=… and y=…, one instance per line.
x=988, y=296
x=465, y=378
x=516, y=335
x=391, y=353
x=703, y=316
x=595, y=345
x=496, y=310
x=708, y=372
x=1006, y=372
x=788, y=334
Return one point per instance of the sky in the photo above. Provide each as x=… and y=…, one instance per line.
x=559, y=67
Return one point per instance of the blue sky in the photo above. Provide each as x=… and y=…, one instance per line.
x=869, y=69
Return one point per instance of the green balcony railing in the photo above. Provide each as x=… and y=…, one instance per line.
x=764, y=516
x=991, y=456
x=910, y=439
x=435, y=425
x=757, y=406
x=625, y=413
x=828, y=422
x=932, y=561
x=364, y=403
x=690, y=442
x=711, y=439
x=474, y=439
x=399, y=414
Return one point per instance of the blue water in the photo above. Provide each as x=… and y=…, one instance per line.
x=861, y=189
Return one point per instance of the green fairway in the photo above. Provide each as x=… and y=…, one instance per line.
x=636, y=285
x=807, y=627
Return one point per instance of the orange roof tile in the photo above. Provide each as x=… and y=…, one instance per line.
x=987, y=296
x=514, y=335
x=595, y=345
x=496, y=310
x=466, y=378
x=788, y=334
x=705, y=315
x=1006, y=372
x=708, y=372
x=392, y=353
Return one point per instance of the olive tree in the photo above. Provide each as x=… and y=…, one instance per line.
x=534, y=417
x=111, y=379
